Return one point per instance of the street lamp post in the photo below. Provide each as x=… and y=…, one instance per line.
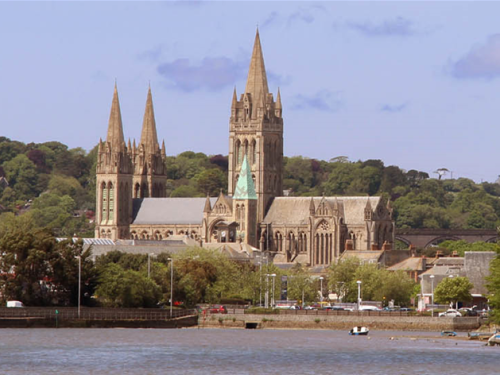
x=359, y=293
x=432, y=294
x=171, y=285
x=79, y=282
x=260, y=279
x=266, y=296
x=321, y=289
x=149, y=264
x=273, y=275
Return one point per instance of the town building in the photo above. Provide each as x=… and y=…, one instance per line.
x=314, y=231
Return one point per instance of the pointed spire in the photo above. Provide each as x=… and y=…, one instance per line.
x=235, y=99
x=368, y=204
x=245, y=188
x=257, y=78
x=115, y=128
x=312, y=208
x=149, y=139
x=278, y=100
x=129, y=146
x=208, y=206
x=163, y=149
x=134, y=146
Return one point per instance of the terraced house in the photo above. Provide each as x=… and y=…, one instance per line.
x=131, y=180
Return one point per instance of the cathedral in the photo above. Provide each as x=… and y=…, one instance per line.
x=315, y=231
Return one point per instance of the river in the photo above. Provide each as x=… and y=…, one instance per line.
x=226, y=351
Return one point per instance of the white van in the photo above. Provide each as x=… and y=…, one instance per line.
x=368, y=308
x=14, y=304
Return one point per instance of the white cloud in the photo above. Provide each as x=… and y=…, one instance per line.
x=482, y=61
x=394, y=27
x=323, y=100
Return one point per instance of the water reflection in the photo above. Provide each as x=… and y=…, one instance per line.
x=213, y=351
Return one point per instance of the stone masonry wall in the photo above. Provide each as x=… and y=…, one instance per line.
x=343, y=322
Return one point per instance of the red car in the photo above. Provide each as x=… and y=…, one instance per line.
x=217, y=309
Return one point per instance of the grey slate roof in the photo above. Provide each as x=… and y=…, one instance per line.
x=169, y=210
x=295, y=210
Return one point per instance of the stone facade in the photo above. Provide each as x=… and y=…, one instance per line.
x=315, y=231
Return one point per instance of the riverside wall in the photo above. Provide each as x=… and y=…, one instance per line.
x=341, y=322
x=20, y=322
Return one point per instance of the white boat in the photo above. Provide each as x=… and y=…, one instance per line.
x=494, y=340
x=359, y=331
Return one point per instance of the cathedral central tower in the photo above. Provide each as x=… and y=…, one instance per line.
x=256, y=131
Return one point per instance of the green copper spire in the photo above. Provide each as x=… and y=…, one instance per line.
x=245, y=188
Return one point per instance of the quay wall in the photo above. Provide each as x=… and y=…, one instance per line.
x=341, y=322
x=25, y=322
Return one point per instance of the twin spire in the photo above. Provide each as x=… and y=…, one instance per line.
x=149, y=137
x=115, y=129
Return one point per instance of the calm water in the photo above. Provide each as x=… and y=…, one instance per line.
x=217, y=351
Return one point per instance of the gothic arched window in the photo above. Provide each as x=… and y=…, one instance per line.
x=254, y=152
x=111, y=202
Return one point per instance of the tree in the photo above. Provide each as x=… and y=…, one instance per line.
x=493, y=285
x=342, y=279
x=300, y=285
x=22, y=176
x=126, y=288
x=453, y=289
x=38, y=270
x=210, y=181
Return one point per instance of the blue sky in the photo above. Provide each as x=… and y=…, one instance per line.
x=415, y=84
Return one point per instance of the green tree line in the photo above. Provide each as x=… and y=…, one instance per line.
x=55, y=186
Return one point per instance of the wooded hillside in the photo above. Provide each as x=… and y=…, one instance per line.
x=53, y=186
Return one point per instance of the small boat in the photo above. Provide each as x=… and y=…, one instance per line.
x=494, y=340
x=479, y=335
x=448, y=333
x=359, y=331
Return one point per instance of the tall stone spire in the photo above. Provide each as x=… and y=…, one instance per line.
x=115, y=129
x=149, y=139
x=257, y=78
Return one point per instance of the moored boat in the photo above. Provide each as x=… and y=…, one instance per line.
x=359, y=331
x=448, y=333
x=494, y=340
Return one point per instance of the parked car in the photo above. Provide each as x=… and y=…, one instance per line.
x=217, y=309
x=468, y=311
x=452, y=313
x=336, y=308
x=406, y=309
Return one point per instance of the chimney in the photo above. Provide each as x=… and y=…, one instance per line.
x=413, y=250
x=349, y=245
x=424, y=263
x=387, y=246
